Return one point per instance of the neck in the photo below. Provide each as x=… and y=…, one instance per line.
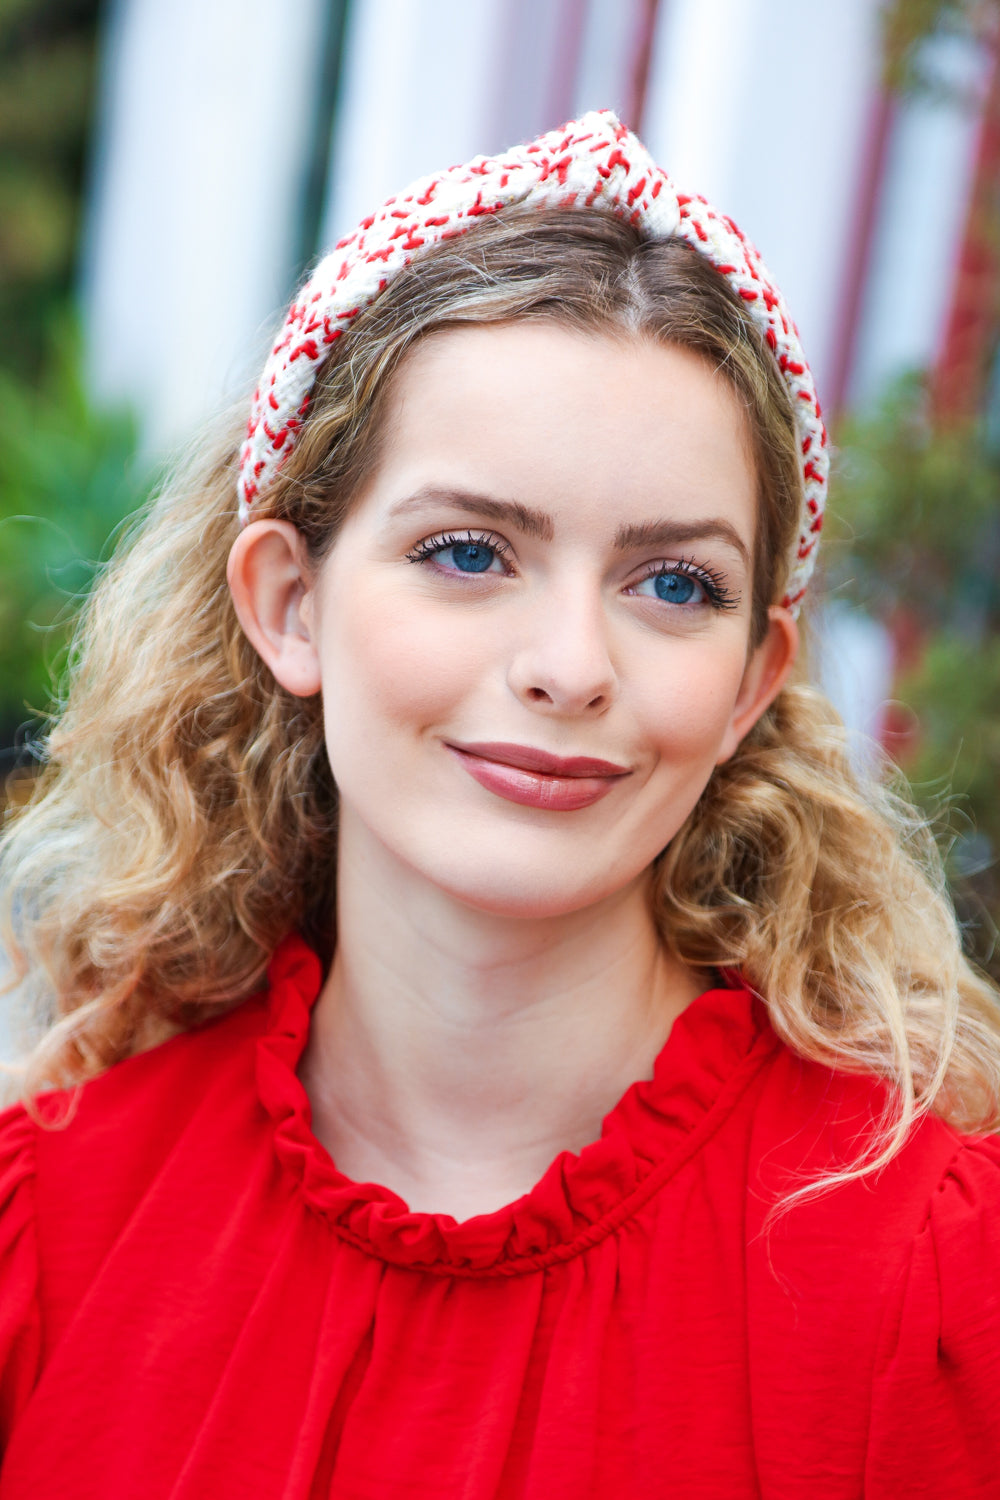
x=454, y=1053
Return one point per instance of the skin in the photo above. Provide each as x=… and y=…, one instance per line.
x=498, y=981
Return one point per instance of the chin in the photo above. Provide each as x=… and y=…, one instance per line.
x=528, y=894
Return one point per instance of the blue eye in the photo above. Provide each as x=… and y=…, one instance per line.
x=676, y=588
x=469, y=557
x=469, y=554
x=673, y=588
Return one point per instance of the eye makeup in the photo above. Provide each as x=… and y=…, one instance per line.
x=715, y=590
x=473, y=552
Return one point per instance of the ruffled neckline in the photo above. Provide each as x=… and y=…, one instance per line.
x=714, y=1049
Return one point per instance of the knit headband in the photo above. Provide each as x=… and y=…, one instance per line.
x=594, y=162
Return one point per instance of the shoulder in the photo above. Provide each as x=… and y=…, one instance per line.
x=171, y=1074
x=17, y=1176
x=75, y=1168
x=20, y=1321
x=160, y=1122
x=883, y=1291
x=184, y=1113
x=935, y=1423
x=98, y=1145
x=85, y=1158
x=17, y=1155
x=953, y=1279
x=812, y=1122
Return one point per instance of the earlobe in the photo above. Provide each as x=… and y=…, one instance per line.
x=270, y=582
x=766, y=674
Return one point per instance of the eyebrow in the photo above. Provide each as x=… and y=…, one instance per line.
x=539, y=523
x=536, y=523
x=676, y=533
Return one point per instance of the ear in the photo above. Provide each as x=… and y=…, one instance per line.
x=270, y=581
x=766, y=673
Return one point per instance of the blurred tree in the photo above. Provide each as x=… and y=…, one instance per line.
x=907, y=25
x=68, y=476
x=919, y=489
x=48, y=51
x=914, y=539
x=919, y=506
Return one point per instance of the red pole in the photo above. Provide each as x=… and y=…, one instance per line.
x=642, y=56
x=859, y=253
x=963, y=365
x=566, y=60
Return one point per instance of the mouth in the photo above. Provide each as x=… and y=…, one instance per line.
x=536, y=778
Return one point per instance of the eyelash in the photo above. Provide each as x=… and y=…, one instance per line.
x=718, y=594
x=431, y=545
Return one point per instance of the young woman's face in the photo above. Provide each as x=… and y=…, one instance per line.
x=550, y=568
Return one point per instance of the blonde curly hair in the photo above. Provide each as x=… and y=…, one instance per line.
x=186, y=817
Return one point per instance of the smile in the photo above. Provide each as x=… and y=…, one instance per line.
x=534, y=778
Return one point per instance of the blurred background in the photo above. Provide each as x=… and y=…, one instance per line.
x=167, y=171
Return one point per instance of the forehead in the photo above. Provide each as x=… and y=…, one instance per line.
x=580, y=424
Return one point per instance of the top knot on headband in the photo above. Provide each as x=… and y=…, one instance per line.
x=594, y=162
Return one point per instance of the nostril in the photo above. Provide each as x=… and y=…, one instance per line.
x=539, y=695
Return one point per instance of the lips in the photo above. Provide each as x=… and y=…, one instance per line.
x=536, y=778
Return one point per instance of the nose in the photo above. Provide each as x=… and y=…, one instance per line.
x=563, y=664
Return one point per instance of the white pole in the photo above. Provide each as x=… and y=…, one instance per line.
x=762, y=106
x=202, y=148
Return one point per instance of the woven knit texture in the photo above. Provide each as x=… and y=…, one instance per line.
x=594, y=162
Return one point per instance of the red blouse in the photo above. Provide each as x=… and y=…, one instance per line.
x=194, y=1302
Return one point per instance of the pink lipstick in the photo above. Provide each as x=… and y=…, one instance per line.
x=536, y=778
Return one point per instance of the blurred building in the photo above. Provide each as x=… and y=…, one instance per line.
x=235, y=142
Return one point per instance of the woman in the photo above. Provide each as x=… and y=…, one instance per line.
x=614, y=1120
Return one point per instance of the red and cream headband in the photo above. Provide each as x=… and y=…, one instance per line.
x=594, y=162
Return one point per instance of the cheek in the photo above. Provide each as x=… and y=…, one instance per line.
x=399, y=662
x=686, y=719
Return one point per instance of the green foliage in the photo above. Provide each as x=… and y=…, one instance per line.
x=907, y=25
x=48, y=51
x=914, y=539
x=955, y=694
x=914, y=516
x=68, y=476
